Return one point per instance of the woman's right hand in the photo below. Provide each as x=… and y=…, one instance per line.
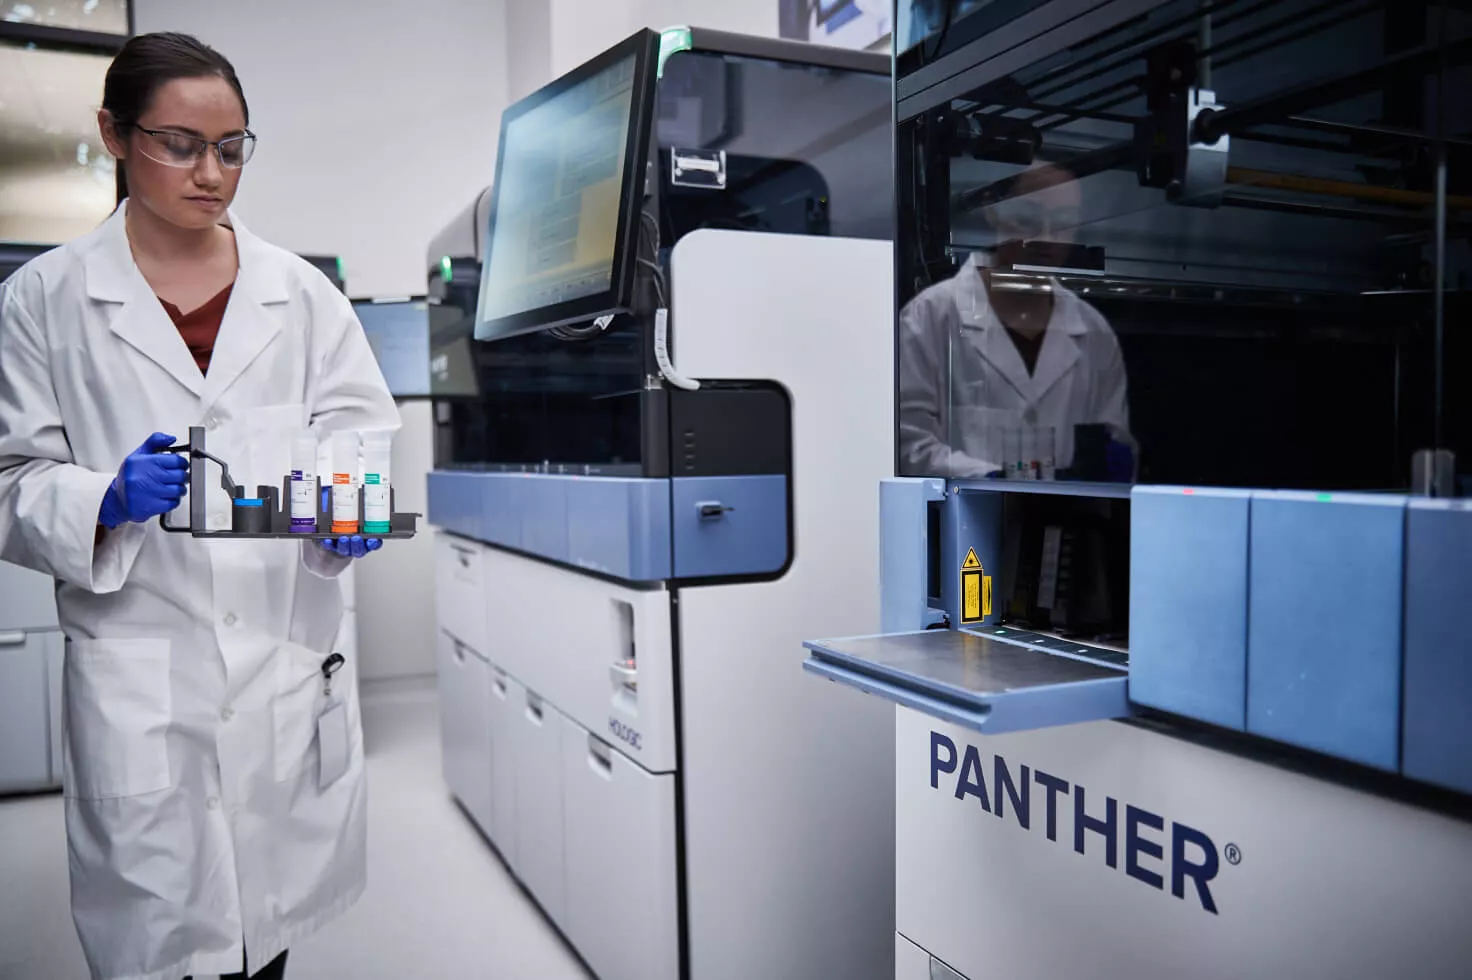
x=150, y=482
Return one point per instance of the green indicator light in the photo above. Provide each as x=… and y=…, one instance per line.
x=1325, y=497
x=671, y=42
x=447, y=271
x=341, y=277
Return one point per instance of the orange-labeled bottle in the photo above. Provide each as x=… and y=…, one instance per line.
x=345, y=483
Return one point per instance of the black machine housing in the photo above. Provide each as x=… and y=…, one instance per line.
x=747, y=134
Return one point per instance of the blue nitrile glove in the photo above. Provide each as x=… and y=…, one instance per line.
x=352, y=547
x=1119, y=462
x=149, y=483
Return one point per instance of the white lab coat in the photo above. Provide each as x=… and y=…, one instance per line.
x=192, y=682
x=966, y=397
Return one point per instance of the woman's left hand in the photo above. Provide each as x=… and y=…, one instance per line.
x=355, y=546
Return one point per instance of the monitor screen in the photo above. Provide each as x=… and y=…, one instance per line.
x=568, y=186
x=398, y=332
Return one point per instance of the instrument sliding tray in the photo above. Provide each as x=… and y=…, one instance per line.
x=991, y=684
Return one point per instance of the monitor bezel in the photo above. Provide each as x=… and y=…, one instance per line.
x=618, y=298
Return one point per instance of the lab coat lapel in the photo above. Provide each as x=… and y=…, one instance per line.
x=249, y=325
x=136, y=316
x=1060, y=351
x=986, y=334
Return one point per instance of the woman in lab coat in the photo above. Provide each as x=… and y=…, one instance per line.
x=214, y=788
x=997, y=368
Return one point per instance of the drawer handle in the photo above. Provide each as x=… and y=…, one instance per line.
x=12, y=639
x=712, y=510
x=600, y=757
x=501, y=688
x=624, y=674
x=534, y=708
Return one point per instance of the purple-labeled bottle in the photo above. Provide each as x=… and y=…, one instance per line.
x=304, y=485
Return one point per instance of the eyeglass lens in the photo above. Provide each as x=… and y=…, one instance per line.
x=176, y=149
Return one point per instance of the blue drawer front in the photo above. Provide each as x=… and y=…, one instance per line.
x=1188, y=602
x=620, y=524
x=542, y=507
x=1324, y=634
x=454, y=503
x=1438, y=670
x=750, y=538
x=614, y=526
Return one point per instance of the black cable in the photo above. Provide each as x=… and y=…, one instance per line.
x=657, y=271
x=657, y=277
x=571, y=334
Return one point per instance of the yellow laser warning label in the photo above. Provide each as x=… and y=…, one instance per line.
x=971, y=597
x=976, y=590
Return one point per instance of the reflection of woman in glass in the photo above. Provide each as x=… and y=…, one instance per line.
x=998, y=366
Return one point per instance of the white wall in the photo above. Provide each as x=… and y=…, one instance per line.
x=378, y=123
x=572, y=31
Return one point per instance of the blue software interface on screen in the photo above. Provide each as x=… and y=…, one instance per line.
x=398, y=332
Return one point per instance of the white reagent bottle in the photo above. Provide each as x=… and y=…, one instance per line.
x=345, y=483
x=304, y=485
x=377, y=509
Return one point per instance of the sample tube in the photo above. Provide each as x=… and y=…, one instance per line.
x=304, y=485
x=377, y=512
x=1031, y=464
x=344, y=483
x=1049, y=437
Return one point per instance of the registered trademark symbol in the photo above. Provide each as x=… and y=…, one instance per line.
x=1234, y=854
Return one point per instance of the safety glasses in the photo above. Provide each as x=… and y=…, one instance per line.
x=179, y=150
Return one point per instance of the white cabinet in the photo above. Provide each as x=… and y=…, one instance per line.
x=460, y=590
x=27, y=599
x=622, y=909
x=508, y=700
x=25, y=721
x=599, y=651
x=540, y=863
x=465, y=685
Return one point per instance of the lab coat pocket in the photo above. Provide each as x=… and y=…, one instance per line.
x=299, y=700
x=117, y=709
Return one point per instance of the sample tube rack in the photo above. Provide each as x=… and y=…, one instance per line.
x=271, y=518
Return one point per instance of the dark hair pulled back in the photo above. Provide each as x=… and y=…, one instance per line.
x=146, y=63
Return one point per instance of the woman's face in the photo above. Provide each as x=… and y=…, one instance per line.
x=195, y=195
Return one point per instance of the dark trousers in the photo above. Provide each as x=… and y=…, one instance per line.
x=274, y=970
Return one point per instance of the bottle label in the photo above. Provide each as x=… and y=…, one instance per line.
x=376, y=508
x=303, y=508
x=344, y=504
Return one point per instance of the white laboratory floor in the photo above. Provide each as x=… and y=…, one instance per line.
x=439, y=904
